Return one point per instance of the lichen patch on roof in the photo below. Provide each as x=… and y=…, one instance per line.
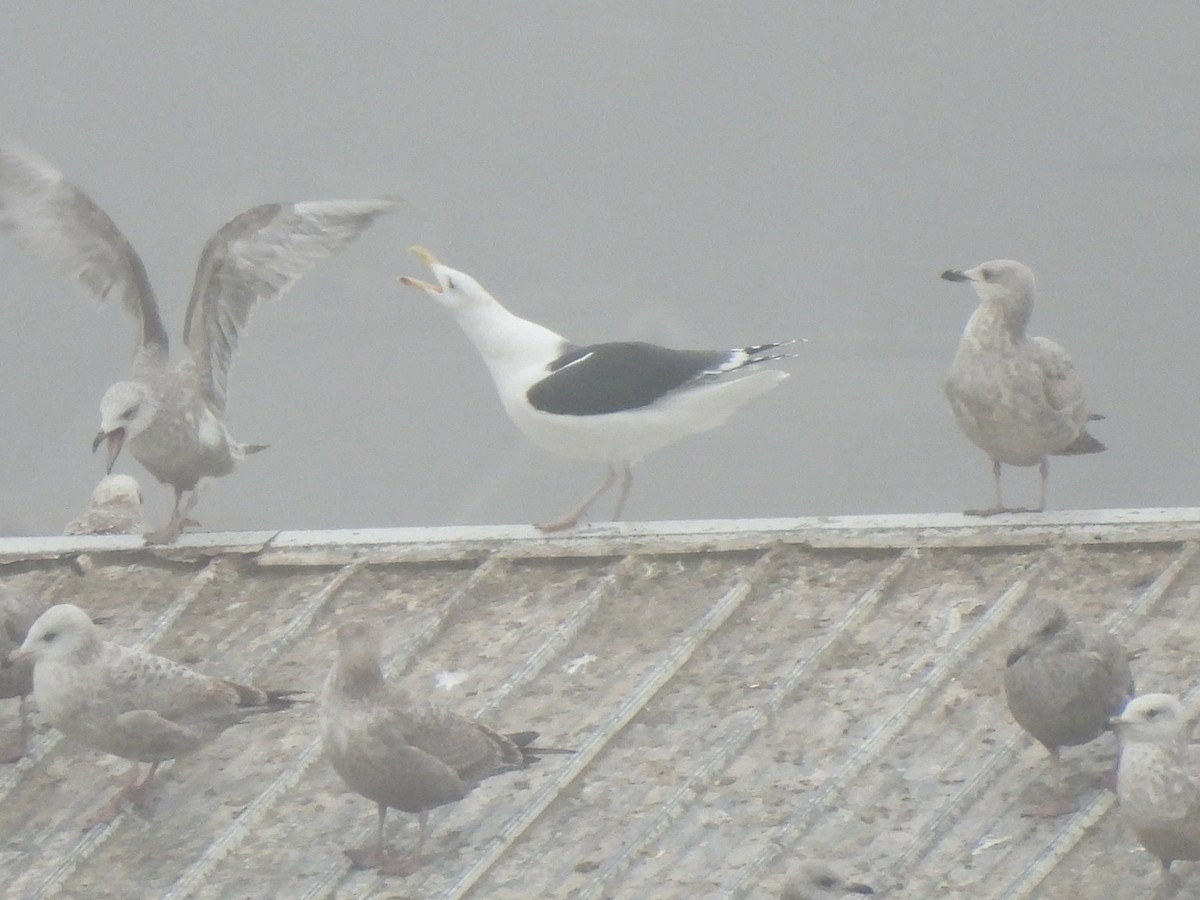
x=740, y=695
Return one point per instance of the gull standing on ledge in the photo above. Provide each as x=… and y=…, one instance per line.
x=612, y=403
x=1017, y=398
x=173, y=419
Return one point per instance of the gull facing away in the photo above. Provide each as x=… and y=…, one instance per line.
x=173, y=418
x=814, y=880
x=18, y=611
x=132, y=704
x=1063, y=683
x=1158, y=780
x=115, y=508
x=1017, y=398
x=611, y=403
x=401, y=752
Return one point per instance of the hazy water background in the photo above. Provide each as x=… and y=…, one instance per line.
x=695, y=174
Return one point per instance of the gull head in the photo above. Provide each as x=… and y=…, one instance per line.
x=62, y=632
x=1002, y=279
x=1153, y=719
x=126, y=410
x=454, y=289
x=117, y=490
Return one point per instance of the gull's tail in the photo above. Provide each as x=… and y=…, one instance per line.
x=1085, y=443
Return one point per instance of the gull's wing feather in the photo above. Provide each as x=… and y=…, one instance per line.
x=49, y=216
x=259, y=255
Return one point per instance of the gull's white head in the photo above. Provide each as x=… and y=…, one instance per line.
x=1002, y=283
x=454, y=289
x=1003, y=279
x=61, y=632
x=1152, y=718
x=117, y=490
x=126, y=410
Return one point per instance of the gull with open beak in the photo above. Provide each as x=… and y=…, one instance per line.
x=611, y=403
x=173, y=418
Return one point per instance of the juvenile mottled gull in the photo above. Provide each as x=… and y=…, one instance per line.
x=400, y=752
x=132, y=704
x=1016, y=397
x=1158, y=780
x=813, y=880
x=17, y=612
x=173, y=418
x=116, y=508
x=611, y=403
x=1062, y=684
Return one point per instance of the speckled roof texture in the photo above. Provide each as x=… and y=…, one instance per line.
x=740, y=694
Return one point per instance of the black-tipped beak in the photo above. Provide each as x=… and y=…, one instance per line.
x=955, y=275
x=17, y=656
x=116, y=440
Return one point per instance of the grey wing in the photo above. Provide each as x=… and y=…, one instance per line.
x=259, y=255
x=470, y=749
x=144, y=735
x=144, y=681
x=49, y=216
x=1115, y=663
x=381, y=762
x=1062, y=385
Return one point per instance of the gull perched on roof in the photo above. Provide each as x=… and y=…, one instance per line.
x=1017, y=398
x=400, y=752
x=115, y=508
x=173, y=418
x=18, y=611
x=132, y=704
x=1158, y=779
x=612, y=403
x=1063, y=683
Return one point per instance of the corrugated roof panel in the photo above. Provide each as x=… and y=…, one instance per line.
x=739, y=694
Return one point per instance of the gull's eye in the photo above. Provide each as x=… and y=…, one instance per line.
x=1152, y=712
x=130, y=413
x=49, y=636
x=988, y=274
x=450, y=282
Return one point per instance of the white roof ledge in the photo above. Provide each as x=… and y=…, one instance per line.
x=1112, y=526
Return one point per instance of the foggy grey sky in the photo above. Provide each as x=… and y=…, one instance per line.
x=694, y=174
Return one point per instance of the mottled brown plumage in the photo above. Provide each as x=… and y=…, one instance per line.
x=1158, y=780
x=132, y=704
x=1062, y=683
x=403, y=753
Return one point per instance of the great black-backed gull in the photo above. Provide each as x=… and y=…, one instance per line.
x=1017, y=398
x=173, y=418
x=132, y=704
x=401, y=751
x=612, y=403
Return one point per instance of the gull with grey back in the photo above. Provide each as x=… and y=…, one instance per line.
x=612, y=403
x=402, y=752
x=1063, y=682
x=1158, y=780
x=1017, y=398
x=173, y=418
x=129, y=703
